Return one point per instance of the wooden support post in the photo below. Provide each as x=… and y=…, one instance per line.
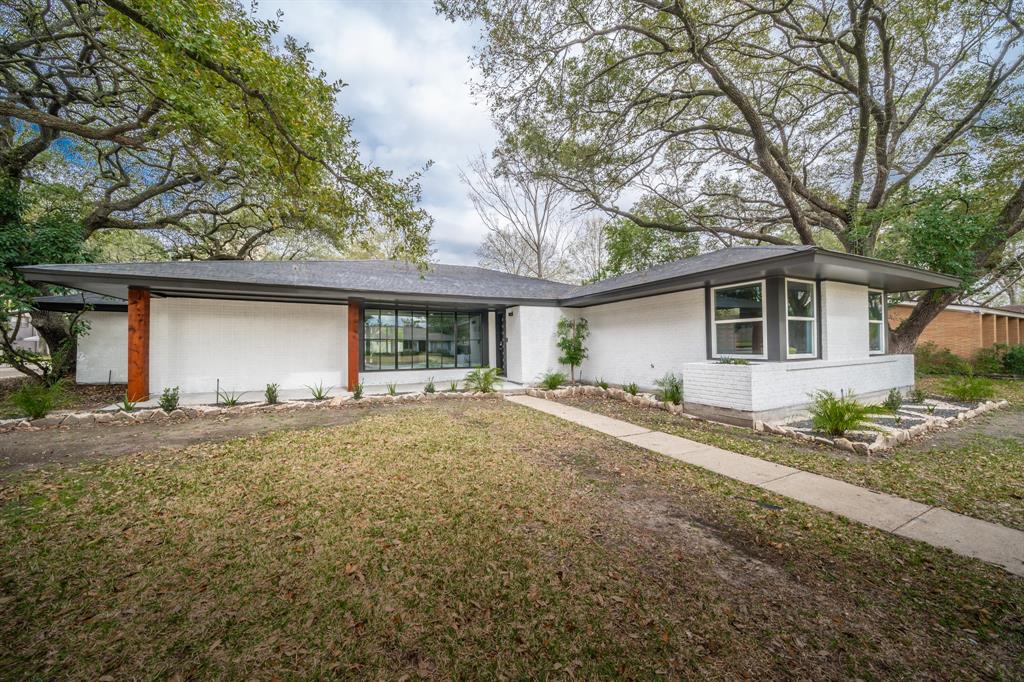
x=354, y=308
x=138, y=344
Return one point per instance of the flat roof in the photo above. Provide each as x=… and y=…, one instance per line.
x=397, y=282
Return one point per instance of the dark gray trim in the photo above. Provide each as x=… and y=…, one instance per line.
x=336, y=282
x=775, y=318
x=709, y=321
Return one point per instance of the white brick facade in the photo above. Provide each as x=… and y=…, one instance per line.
x=787, y=386
x=844, y=328
x=531, y=350
x=245, y=345
x=103, y=350
x=643, y=339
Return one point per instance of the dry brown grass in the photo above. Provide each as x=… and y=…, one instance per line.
x=475, y=541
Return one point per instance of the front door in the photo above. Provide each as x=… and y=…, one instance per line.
x=499, y=341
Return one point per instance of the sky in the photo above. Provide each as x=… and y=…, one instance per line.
x=408, y=76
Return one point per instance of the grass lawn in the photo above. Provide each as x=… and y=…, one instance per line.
x=478, y=540
x=977, y=469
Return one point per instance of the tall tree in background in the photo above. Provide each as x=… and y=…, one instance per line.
x=810, y=121
x=588, y=252
x=178, y=117
x=529, y=220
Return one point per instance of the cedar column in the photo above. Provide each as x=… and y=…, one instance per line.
x=353, y=343
x=138, y=344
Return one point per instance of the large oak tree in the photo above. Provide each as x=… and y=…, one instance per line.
x=871, y=126
x=180, y=118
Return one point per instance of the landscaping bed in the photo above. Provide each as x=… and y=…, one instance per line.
x=974, y=467
x=468, y=540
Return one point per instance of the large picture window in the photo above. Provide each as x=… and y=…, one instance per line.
x=876, y=322
x=738, y=320
x=421, y=339
x=801, y=319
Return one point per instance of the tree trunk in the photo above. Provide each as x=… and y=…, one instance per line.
x=903, y=339
x=63, y=347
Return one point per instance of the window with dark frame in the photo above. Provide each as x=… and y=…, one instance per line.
x=397, y=339
x=801, y=319
x=738, y=322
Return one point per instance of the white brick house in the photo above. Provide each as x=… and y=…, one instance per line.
x=802, y=319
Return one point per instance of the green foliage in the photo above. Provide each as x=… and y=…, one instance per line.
x=228, y=398
x=392, y=389
x=357, y=392
x=917, y=395
x=453, y=387
x=837, y=415
x=54, y=237
x=930, y=359
x=319, y=391
x=429, y=387
x=601, y=383
x=671, y=388
x=482, y=380
x=127, y=405
x=552, y=380
x=734, y=361
x=631, y=248
x=572, y=337
x=631, y=388
x=968, y=388
x=270, y=394
x=35, y=399
x=894, y=400
x=990, y=360
x=1013, y=361
x=169, y=399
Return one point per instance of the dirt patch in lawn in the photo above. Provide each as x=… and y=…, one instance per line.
x=469, y=541
x=1004, y=423
x=28, y=449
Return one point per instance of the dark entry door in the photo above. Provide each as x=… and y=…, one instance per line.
x=499, y=341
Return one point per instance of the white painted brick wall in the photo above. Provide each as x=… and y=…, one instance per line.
x=103, y=350
x=844, y=321
x=245, y=344
x=531, y=350
x=641, y=340
x=776, y=385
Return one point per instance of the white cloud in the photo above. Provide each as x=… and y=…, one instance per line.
x=408, y=94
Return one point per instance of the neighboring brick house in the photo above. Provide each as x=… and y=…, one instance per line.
x=964, y=329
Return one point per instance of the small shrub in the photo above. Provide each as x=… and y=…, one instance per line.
x=552, y=380
x=930, y=409
x=734, y=361
x=429, y=388
x=917, y=395
x=631, y=388
x=35, y=400
x=392, y=389
x=1013, y=361
x=671, y=388
x=228, y=398
x=169, y=399
x=897, y=420
x=968, y=388
x=482, y=380
x=270, y=394
x=894, y=400
x=319, y=391
x=357, y=392
x=837, y=415
x=930, y=359
x=127, y=405
x=453, y=387
x=990, y=360
x=601, y=383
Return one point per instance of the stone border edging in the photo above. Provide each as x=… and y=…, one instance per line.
x=640, y=399
x=53, y=421
x=885, y=440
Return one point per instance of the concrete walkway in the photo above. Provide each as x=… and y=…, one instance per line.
x=962, y=534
